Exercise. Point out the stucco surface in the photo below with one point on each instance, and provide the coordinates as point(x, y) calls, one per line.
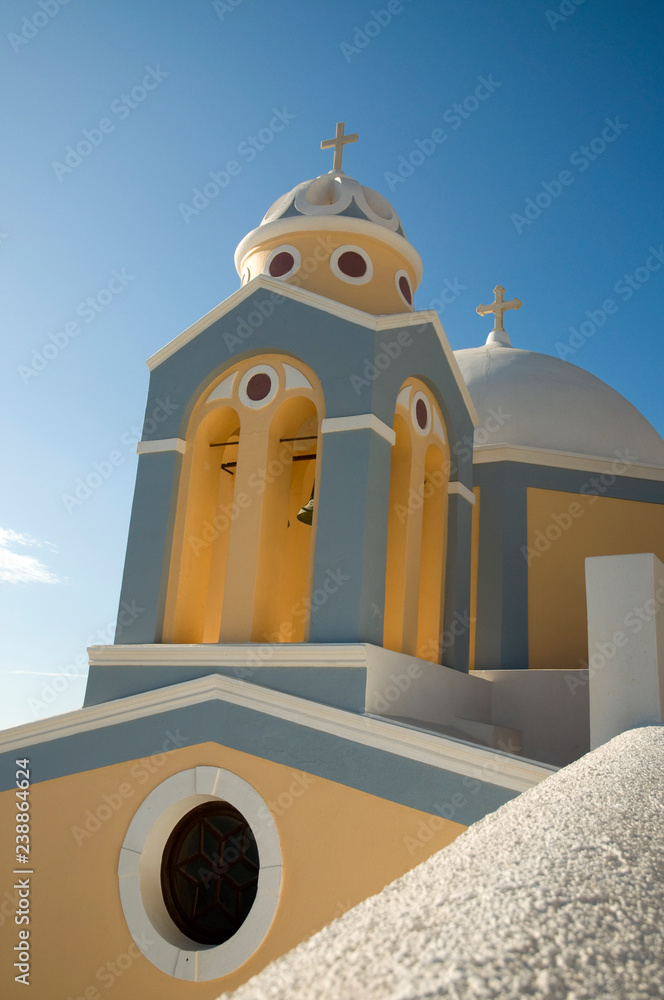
point(546, 403)
point(559, 895)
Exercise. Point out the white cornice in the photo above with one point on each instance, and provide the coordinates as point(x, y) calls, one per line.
point(463, 491)
point(329, 223)
point(359, 422)
point(436, 751)
point(565, 460)
point(162, 444)
point(212, 654)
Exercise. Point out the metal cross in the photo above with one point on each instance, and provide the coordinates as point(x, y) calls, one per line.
point(338, 144)
point(498, 307)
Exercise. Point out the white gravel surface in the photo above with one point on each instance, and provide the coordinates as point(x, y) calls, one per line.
point(559, 895)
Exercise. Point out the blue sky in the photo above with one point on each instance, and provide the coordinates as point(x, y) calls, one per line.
point(100, 264)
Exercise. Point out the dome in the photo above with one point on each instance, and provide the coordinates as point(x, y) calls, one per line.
point(547, 404)
point(332, 203)
point(335, 194)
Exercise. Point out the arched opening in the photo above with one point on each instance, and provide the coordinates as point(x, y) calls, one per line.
point(417, 525)
point(397, 536)
point(241, 561)
point(281, 610)
point(205, 516)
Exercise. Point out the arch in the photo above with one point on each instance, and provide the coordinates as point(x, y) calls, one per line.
point(239, 571)
point(417, 524)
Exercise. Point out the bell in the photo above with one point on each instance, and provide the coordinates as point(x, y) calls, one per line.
point(306, 513)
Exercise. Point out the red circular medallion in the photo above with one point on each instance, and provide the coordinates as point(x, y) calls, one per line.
point(258, 386)
point(421, 413)
point(352, 264)
point(404, 286)
point(281, 264)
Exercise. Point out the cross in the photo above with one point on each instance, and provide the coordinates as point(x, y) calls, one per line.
point(338, 143)
point(498, 307)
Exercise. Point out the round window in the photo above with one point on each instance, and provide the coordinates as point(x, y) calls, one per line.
point(421, 413)
point(404, 287)
point(209, 873)
point(283, 261)
point(352, 264)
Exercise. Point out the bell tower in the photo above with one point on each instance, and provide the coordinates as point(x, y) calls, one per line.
point(308, 485)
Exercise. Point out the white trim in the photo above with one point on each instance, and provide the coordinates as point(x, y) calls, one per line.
point(224, 390)
point(257, 404)
point(362, 279)
point(422, 431)
point(443, 752)
point(463, 491)
point(359, 422)
point(164, 444)
point(404, 396)
point(284, 248)
point(139, 874)
point(565, 460)
point(212, 654)
point(292, 224)
point(295, 379)
point(282, 289)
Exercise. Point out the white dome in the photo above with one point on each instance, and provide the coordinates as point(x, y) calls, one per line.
point(335, 193)
point(548, 404)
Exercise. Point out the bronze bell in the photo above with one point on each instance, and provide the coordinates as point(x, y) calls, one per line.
point(306, 513)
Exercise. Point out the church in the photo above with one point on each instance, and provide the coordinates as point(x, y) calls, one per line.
point(372, 592)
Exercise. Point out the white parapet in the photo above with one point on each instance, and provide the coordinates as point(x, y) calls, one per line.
point(625, 597)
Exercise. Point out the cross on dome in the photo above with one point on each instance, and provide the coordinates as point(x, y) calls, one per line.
point(338, 144)
point(498, 307)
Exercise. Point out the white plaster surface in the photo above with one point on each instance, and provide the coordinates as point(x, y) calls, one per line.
point(528, 399)
point(625, 596)
point(558, 895)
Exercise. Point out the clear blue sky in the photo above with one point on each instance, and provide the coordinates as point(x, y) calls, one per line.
point(217, 71)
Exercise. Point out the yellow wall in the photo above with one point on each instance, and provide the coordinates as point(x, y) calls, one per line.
point(378, 295)
point(338, 846)
point(564, 528)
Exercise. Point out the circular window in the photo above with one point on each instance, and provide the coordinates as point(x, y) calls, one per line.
point(209, 874)
point(403, 286)
point(421, 413)
point(200, 873)
point(283, 261)
point(351, 264)
point(258, 386)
